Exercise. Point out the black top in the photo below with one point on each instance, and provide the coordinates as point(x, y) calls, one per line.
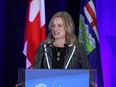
point(58, 59)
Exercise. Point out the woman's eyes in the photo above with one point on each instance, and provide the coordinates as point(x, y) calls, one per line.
point(53, 26)
point(59, 25)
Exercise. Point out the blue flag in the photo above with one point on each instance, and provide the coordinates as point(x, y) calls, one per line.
point(88, 36)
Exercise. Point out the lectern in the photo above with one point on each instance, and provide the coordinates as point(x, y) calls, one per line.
point(56, 78)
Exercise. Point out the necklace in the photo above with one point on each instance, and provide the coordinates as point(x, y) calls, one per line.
point(59, 54)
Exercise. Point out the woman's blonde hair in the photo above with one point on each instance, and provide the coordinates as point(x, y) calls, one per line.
point(68, 26)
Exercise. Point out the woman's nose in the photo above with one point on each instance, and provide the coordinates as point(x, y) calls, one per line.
point(55, 28)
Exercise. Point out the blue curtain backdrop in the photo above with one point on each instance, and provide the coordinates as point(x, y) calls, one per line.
point(106, 14)
point(13, 14)
point(12, 24)
point(2, 42)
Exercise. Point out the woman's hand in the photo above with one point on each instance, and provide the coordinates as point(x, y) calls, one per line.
point(20, 85)
point(93, 84)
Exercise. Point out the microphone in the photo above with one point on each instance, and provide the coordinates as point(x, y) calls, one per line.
point(47, 45)
point(66, 45)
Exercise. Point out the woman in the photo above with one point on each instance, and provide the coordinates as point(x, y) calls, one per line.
point(61, 50)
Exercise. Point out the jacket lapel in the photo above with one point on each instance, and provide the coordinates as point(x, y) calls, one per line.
point(69, 50)
point(48, 52)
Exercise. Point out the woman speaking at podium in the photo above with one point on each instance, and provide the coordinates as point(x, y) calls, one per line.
point(61, 50)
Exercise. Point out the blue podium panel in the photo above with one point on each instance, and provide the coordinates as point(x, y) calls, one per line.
point(56, 78)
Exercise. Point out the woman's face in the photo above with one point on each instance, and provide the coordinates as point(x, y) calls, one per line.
point(58, 30)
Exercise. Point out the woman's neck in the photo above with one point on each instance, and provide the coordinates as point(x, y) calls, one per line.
point(59, 42)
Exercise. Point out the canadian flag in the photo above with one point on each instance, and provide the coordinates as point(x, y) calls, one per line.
point(35, 30)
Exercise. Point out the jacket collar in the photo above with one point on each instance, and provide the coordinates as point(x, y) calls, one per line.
point(69, 51)
point(50, 43)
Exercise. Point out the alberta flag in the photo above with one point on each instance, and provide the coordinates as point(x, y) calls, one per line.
point(35, 30)
point(88, 36)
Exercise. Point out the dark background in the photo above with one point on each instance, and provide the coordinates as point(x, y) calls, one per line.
point(12, 26)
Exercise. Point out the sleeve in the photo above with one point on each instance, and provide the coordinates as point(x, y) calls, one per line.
point(84, 63)
point(38, 57)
